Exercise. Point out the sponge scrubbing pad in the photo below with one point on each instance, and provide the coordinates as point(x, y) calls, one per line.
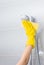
point(30, 29)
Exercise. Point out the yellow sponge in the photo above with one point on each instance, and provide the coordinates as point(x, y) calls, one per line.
point(35, 25)
point(30, 29)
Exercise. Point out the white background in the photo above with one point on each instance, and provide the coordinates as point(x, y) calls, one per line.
point(12, 36)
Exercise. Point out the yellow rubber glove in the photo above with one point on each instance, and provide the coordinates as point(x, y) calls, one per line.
point(30, 29)
point(31, 41)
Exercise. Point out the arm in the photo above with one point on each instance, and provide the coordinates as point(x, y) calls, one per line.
point(25, 57)
point(30, 29)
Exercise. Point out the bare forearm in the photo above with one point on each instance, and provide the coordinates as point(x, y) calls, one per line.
point(25, 57)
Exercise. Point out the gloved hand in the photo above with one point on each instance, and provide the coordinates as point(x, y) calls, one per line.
point(31, 30)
